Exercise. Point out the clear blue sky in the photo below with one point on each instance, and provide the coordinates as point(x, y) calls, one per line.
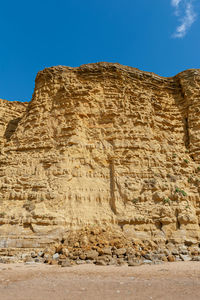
point(139, 33)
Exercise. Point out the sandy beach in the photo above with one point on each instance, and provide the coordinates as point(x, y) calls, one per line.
point(180, 280)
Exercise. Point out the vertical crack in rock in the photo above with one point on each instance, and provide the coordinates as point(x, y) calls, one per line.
point(187, 136)
point(177, 221)
point(112, 187)
point(29, 225)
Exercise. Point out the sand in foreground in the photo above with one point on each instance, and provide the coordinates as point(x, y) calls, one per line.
point(168, 281)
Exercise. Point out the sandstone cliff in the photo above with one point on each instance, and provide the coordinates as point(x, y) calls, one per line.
point(101, 144)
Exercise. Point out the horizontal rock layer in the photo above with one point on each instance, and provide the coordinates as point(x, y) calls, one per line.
point(101, 144)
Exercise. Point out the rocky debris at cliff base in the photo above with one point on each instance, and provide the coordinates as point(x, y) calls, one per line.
point(101, 246)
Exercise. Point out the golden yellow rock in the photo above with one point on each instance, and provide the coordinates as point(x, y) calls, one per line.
point(106, 145)
point(171, 258)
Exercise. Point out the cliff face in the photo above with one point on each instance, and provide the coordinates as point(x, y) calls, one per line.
point(101, 144)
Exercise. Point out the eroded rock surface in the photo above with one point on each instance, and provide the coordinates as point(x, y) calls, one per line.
point(103, 145)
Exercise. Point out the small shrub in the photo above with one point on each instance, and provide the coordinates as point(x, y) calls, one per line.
point(183, 193)
point(166, 200)
point(2, 214)
point(135, 200)
point(186, 161)
point(177, 190)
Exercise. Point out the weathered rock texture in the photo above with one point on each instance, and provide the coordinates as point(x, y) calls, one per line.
point(104, 145)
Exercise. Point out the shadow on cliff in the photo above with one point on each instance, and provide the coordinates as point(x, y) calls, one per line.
point(11, 127)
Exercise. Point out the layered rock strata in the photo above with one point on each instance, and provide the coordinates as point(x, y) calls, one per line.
point(104, 145)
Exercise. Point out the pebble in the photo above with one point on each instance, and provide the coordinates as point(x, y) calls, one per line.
point(147, 261)
point(66, 263)
point(55, 256)
point(185, 257)
point(196, 258)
